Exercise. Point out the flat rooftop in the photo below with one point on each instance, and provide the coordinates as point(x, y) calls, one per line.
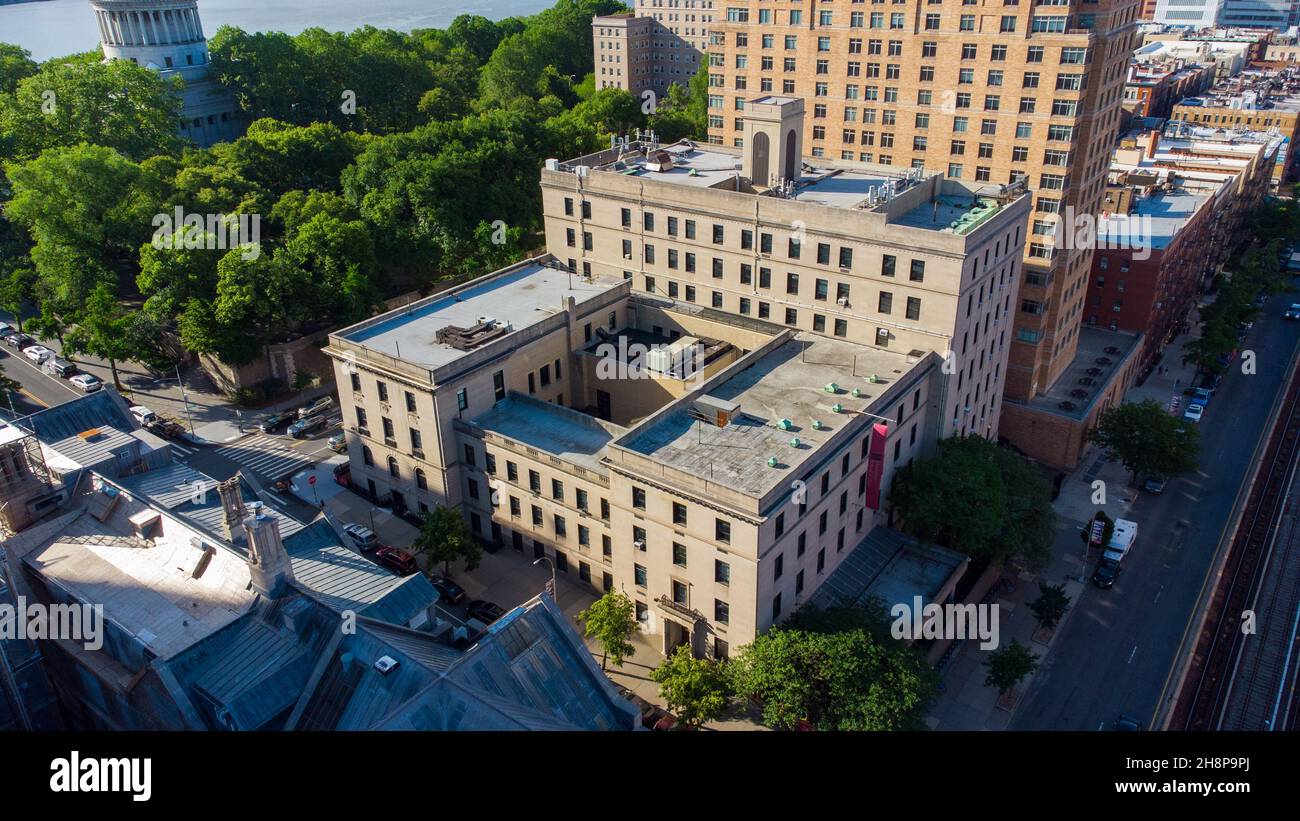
point(516, 298)
point(840, 188)
point(1100, 356)
point(146, 588)
point(1157, 218)
point(694, 165)
point(788, 382)
point(950, 214)
point(834, 185)
point(891, 567)
point(566, 434)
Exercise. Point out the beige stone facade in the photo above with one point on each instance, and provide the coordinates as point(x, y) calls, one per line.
point(811, 261)
point(986, 91)
point(661, 44)
point(865, 307)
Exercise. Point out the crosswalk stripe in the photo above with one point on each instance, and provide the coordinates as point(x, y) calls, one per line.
point(184, 450)
point(266, 456)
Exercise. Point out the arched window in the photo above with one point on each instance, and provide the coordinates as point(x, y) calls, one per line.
point(420, 481)
point(367, 456)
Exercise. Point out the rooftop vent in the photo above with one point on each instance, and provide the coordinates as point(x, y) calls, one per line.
point(467, 339)
point(386, 665)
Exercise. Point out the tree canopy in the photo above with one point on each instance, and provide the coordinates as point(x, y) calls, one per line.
point(1147, 439)
point(978, 498)
point(374, 163)
point(834, 669)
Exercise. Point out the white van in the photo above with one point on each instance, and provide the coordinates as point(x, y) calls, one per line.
point(1121, 540)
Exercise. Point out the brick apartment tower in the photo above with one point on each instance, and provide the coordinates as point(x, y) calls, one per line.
point(985, 89)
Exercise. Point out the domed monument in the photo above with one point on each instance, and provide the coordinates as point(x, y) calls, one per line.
point(167, 36)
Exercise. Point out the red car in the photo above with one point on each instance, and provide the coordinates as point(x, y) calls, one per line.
point(397, 560)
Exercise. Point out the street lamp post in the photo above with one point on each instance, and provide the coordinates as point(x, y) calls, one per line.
point(185, 397)
point(547, 559)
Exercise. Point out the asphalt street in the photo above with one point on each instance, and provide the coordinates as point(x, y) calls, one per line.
point(1115, 652)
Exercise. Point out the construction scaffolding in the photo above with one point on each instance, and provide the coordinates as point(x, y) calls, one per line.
point(24, 479)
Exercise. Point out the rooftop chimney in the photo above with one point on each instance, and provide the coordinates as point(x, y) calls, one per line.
point(232, 507)
point(268, 563)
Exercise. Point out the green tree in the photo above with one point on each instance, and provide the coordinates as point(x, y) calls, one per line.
point(1147, 439)
point(477, 34)
point(697, 691)
point(978, 498)
point(102, 330)
point(445, 538)
point(303, 379)
point(1008, 666)
point(115, 104)
point(15, 64)
point(89, 210)
point(1050, 605)
point(612, 620)
point(17, 287)
point(836, 669)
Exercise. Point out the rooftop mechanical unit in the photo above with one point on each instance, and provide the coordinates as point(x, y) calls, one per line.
point(467, 339)
point(715, 411)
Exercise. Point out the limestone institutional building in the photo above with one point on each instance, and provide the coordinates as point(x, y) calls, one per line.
point(700, 395)
point(167, 36)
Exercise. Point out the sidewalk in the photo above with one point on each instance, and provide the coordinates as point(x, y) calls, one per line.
point(964, 702)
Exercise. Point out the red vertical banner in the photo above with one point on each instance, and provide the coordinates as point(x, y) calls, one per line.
point(876, 464)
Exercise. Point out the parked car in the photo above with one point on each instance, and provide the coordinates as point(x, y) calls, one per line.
point(1293, 312)
point(449, 590)
point(19, 341)
point(338, 442)
point(274, 422)
point(1193, 413)
point(1210, 382)
point(143, 415)
point(38, 353)
point(363, 538)
point(316, 407)
point(7, 332)
point(1107, 573)
point(166, 428)
point(485, 611)
point(397, 560)
point(1155, 485)
point(61, 368)
point(343, 474)
point(87, 382)
point(305, 426)
point(1200, 396)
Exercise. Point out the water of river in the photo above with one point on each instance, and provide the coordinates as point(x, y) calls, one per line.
point(57, 27)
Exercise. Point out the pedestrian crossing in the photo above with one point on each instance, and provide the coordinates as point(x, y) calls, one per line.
point(268, 457)
point(184, 450)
